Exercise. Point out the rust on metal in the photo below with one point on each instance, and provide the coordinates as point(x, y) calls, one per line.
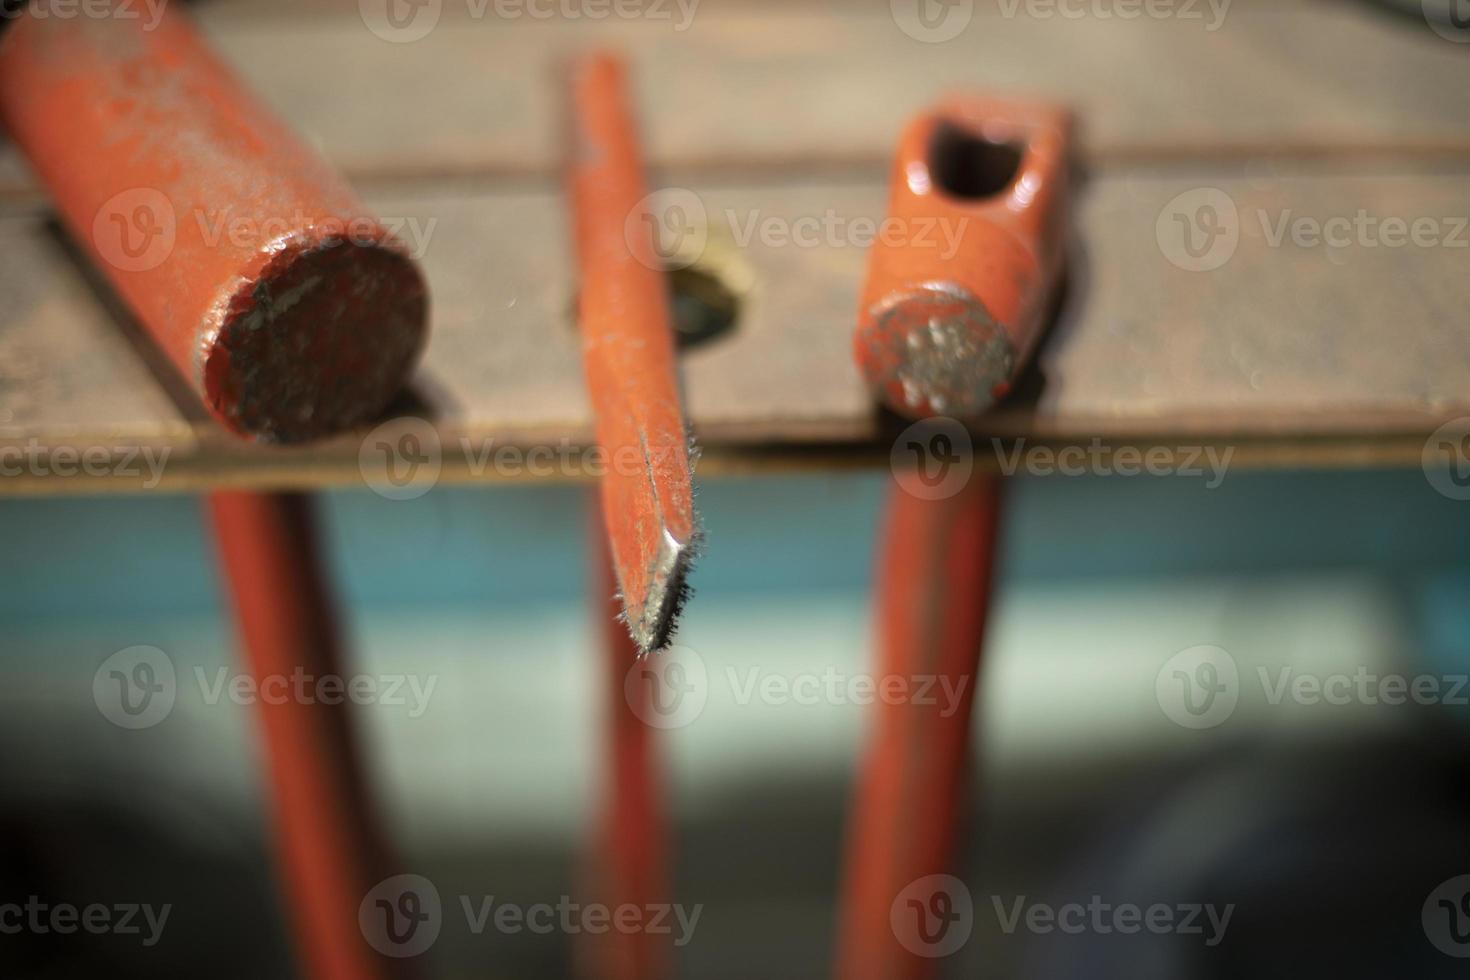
point(291, 310)
point(628, 358)
point(948, 319)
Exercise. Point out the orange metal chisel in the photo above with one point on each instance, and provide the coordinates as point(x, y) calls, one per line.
point(628, 358)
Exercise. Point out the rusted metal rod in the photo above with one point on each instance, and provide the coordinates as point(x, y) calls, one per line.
point(331, 852)
point(289, 309)
point(935, 570)
point(957, 293)
point(628, 357)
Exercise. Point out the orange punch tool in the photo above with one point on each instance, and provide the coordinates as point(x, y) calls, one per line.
point(958, 290)
point(960, 284)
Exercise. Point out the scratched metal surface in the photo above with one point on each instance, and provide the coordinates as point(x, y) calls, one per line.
point(1282, 345)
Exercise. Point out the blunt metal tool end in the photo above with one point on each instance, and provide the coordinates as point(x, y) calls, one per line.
point(954, 302)
point(945, 352)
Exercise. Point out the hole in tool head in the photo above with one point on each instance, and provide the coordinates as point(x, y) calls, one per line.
point(968, 166)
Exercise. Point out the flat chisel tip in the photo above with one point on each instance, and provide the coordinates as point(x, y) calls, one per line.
point(653, 620)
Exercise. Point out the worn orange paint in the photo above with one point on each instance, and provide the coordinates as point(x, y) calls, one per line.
point(628, 356)
point(935, 571)
point(291, 310)
point(331, 851)
point(960, 282)
point(630, 850)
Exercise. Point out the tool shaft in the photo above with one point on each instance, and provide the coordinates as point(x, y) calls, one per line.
point(331, 852)
point(935, 571)
point(628, 356)
point(289, 309)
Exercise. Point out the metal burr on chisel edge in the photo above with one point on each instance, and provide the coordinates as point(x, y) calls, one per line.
point(628, 357)
point(947, 334)
point(291, 311)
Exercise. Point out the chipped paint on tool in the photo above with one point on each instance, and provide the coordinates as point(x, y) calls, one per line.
point(223, 233)
point(944, 332)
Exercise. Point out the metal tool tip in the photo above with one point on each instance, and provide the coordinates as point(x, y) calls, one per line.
point(652, 624)
point(940, 347)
